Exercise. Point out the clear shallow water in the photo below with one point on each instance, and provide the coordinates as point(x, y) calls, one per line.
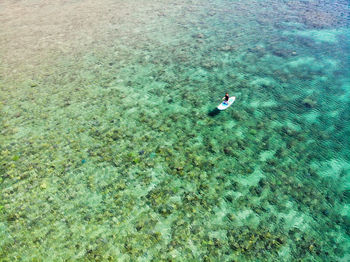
point(111, 147)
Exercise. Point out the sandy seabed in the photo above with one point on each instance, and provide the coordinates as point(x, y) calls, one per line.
point(111, 148)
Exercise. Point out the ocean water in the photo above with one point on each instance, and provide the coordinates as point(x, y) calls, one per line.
point(112, 148)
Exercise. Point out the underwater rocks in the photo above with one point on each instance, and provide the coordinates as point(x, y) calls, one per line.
point(227, 48)
point(254, 242)
point(199, 165)
point(284, 53)
point(255, 191)
point(319, 19)
point(200, 36)
point(258, 50)
point(281, 153)
point(313, 14)
point(210, 64)
point(230, 151)
point(309, 103)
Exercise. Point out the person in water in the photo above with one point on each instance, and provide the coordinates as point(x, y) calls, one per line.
point(225, 98)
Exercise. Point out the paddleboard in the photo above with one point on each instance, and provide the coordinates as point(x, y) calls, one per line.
point(230, 101)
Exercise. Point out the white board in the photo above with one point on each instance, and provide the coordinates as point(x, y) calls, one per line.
point(223, 105)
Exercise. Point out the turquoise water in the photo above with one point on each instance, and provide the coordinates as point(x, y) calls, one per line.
point(112, 150)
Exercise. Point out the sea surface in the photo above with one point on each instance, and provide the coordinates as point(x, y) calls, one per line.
point(112, 149)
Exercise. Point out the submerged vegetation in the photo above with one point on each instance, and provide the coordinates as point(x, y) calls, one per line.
point(113, 155)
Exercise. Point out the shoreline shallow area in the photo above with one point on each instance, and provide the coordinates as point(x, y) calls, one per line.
point(111, 148)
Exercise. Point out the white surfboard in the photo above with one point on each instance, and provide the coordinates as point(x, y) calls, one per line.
point(230, 101)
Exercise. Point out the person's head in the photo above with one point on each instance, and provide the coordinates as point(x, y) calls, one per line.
point(226, 94)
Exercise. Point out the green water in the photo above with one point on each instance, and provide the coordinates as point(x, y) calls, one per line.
point(112, 150)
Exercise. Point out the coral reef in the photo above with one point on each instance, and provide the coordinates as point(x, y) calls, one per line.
point(108, 152)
